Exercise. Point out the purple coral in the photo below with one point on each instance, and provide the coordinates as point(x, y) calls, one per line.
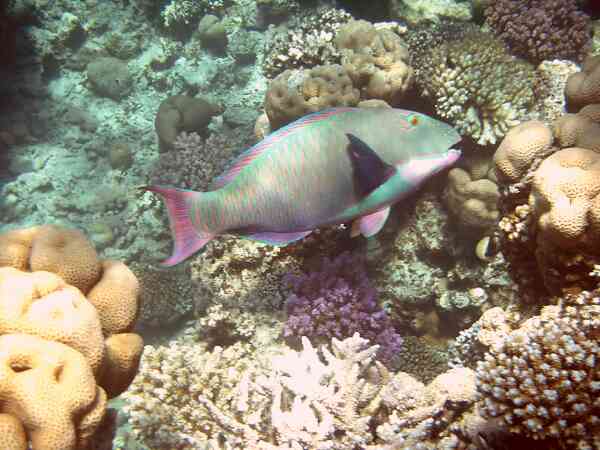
point(337, 301)
point(541, 29)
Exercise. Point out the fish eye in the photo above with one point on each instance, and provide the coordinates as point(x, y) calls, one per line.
point(414, 120)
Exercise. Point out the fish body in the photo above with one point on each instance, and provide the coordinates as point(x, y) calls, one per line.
point(329, 167)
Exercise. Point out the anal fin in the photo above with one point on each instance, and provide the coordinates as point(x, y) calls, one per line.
point(371, 224)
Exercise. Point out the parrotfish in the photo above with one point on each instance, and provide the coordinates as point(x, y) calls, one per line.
point(330, 167)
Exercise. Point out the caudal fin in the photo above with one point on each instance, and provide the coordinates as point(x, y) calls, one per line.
point(186, 239)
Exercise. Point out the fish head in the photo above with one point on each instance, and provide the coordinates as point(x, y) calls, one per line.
point(435, 137)
point(433, 150)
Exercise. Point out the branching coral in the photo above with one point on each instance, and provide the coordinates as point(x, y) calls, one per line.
point(543, 380)
point(541, 29)
point(336, 398)
point(338, 301)
point(309, 42)
point(476, 86)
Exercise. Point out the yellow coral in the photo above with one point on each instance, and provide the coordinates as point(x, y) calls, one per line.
point(55, 249)
point(123, 353)
point(473, 202)
point(12, 432)
point(50, 388)
point(42, 304)
point(564, 197)
point(583, 88)
point(115, 297)
point(521, 145)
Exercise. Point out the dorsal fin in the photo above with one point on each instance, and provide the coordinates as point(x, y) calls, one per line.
point(370, 171)
point(267, 143)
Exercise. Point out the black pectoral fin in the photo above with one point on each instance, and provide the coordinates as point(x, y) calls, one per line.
point(370, 171)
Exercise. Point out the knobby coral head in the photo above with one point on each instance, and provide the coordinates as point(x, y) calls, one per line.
point(541, 29)
point(338, 300)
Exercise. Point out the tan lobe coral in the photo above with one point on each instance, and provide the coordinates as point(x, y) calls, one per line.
point(123, 353)
point(115, 297)
point(521, 145)
point(15, 247)
point(577, 130)
point(12, 433)
point(49, 387)
point(583, 88)
point(42, 304)
point(67, 253)
point(472, 202)
point(564, 197)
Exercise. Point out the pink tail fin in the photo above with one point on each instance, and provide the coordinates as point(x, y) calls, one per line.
point(187, 240)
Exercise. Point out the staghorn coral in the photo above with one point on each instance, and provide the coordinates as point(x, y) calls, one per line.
point(194, 162)
point(338, 301)
point(476, 86)
point(336, 397)
point(543, 380)
point(541, 29)
point(162, 400)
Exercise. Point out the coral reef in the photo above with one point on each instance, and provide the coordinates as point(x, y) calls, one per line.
point(166, 296)
point(542, 380)
point(474, 84)
point(373, 66)
point(308, 43)
point(472, 200)
point(548, 199)
point(338, 301)
point(64, 322)
point(337, 397)
point(541, 29)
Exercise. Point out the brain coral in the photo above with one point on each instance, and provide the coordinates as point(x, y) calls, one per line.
point(66, 252)
point(53, 348)
point(51, 388)
point(583, 88)
point(42, 304)
point(565, 197)
point(521, 145)
point(476, 86)
point(471, 200)
point(296, 93)
point(541, 29)
point(543, 380)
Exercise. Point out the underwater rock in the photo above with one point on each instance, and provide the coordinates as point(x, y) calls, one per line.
point(109, 77)
point(212, 33)
point(182, 113)
point(415, 11)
